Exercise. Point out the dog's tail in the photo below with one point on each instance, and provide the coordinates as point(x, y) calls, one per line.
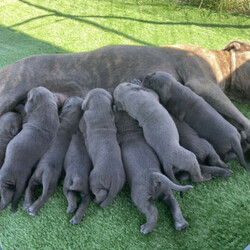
point(238, 151)
point(159, 177)
point(113, 191)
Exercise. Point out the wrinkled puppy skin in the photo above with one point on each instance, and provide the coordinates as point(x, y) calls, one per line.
point(209, 160)
point(159, 129)
point(77, 166)
point(98, 126)
point(10, 126)
point(185, 105)
point(27, 147)
point(144, 175)
point(50, 166)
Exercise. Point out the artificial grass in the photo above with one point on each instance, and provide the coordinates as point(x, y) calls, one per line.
point(218, 211)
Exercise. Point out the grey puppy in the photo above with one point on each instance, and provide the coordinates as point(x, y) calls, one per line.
point(144, 175)
point(10, 126)
point(191, 108)
point(108, 176)
point(77, 166)
point(25, 149)
point(49, 168)
point(159, 129)
point(209, 160)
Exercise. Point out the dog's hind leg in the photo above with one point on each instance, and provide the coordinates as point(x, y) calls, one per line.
point(6, 197)
point(179, 222)
point(81, 209)
point(72, 201)
point(215, 171)
point(49, 187)
point(142, 202)
point(70, 195)
point(29, 193)
point(238, 151)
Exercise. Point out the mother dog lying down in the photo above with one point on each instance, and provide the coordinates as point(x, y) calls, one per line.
point(213, 74)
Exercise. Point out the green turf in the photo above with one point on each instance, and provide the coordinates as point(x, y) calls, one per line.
point(218, 211)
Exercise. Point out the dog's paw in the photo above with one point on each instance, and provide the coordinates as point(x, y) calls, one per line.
point(145, 229)
point(74, 221)
point(181, 225)
point(31, 212)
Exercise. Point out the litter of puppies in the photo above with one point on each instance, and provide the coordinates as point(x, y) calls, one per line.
point(146, 133)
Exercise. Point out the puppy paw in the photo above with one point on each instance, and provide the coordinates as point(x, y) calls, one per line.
point(31, 212)
point(145, 229)
point(181, 225)
point(74, 221)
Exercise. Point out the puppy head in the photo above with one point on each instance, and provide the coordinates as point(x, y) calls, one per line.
point(37, 97)
point(126, 92)
point(161, 83)
point(96, 97)
point(11, 123)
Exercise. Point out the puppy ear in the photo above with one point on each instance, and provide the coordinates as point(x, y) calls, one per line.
point(84, 105)
point(118, 106)
point(29, 106)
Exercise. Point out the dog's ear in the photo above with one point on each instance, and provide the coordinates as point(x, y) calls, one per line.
point(85, 104)
point(118, 106)
point(30, 104)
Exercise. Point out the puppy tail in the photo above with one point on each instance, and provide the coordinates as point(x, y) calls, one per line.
point(238, 151)
point(160, 178)
point(113, 191)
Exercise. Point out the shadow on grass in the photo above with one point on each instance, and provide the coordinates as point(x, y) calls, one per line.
point(81, 19)
point(15, 45)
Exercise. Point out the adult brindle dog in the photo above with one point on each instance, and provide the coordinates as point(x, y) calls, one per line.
point(213, 74)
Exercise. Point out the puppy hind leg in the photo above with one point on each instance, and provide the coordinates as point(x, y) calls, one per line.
point(6, 197)
point(70, 195)
point(238, 150)
point(171, 202)
point(72, 201)
point(17, 196)
point(215, 171)
point(81, 209)
point(142, 202)
point(49, 187)
point(214, 160)
point(29, 193)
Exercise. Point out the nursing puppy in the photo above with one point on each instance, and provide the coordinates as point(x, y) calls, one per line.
point(159, 129)
point(25, 149)
point(10, 126)
point(49, 168)
point(77, 166)
point(210, 162)
point(144, 175)
point(107, 177)
point(197, 113)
